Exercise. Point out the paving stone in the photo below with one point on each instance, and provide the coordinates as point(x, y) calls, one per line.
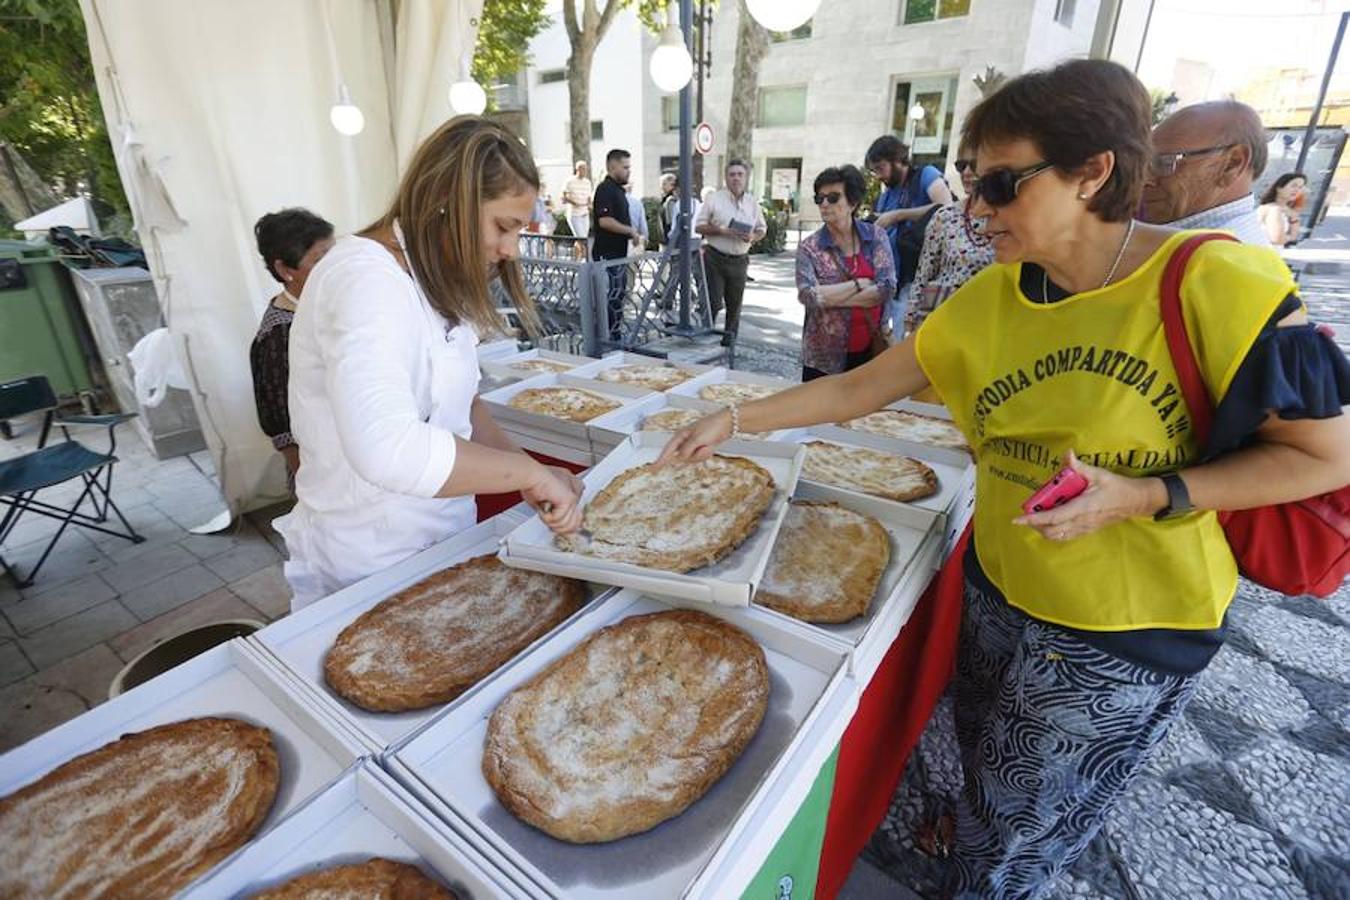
point(243, 560)
point(1302, 643)
point(1325, 877)
point(1307, 793)
point(73, 557)
point(265, 590)
point(213, 607)
point(1251, 690)
point(206, 546)
point(1311, 608)
point(54, 695)
point(149, 567)
point(40, 610)
point(6, 630)
point(171, 591)
point(88, 673)
point(1339, 603)
point(64, 639)
point(1184, 745)
point(13, 664)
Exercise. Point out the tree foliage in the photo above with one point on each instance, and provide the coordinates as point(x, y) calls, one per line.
point(505, 30)
point(49, 104)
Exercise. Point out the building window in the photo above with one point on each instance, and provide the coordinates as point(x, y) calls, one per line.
point(670, 113)
point(669, 164)
point(800, 33)
point(1064, 12)
point(912, 12)
point(597, 130)
point(781, 107)
point(930, 133)
point(552, 76)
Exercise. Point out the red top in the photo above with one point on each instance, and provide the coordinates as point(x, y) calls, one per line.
point(859, 332)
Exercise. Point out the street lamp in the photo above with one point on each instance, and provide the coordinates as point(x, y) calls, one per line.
point(917, 112)
point(671, 66)
point(345, 115)
point(467, 96)
point(782, 15)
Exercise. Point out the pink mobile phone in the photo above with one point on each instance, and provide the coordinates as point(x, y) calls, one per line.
point(1059, 490)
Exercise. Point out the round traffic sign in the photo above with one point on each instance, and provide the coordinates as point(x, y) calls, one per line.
point(703, 138)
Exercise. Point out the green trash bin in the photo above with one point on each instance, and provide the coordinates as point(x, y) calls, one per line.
point(42, 328)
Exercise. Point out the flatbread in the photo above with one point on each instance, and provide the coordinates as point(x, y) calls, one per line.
point(628, 729)
point(908, 426)
point(569, 403)
point(542, 366)
point(431, 642)
point(826, 564)
point(729, 392)
point(142, 816)
point(674, 419)
point(656, 376)
point(374, 879)
point(867, 471)
point(677, 517)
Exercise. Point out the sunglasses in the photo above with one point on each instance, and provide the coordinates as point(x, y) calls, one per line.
point(831, 198)
point(962, 164)
point(999, 187)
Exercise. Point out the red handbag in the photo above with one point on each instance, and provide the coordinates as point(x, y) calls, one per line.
point(1301, 547)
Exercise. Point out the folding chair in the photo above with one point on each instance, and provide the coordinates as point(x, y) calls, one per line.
point(22, 477)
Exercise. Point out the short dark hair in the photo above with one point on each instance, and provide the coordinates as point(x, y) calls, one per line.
point(1072, 112)
point(736, 161)
point(850, 176)
point(287, 236)
point(887, 148)
point(615, 155)
point(1269, 195)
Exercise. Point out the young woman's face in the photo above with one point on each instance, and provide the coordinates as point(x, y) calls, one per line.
point(1290, 191)
point(500, 224)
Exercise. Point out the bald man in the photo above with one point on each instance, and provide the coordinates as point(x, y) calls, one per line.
point(1206, 157)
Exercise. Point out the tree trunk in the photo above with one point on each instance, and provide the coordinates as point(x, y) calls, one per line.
point(584, 35)
point(752, 44)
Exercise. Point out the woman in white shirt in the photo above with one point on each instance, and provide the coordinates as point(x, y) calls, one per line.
point(384, 373)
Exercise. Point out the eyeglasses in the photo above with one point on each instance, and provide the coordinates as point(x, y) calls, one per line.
point(1164, 164)
point(999, 187)
point(962, 164)
point(831, 198)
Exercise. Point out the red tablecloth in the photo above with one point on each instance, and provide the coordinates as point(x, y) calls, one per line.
point(891, 715)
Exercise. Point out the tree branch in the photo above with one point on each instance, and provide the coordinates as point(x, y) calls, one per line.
point(570, 21)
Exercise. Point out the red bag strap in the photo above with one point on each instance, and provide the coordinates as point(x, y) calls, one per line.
point(1192, 385)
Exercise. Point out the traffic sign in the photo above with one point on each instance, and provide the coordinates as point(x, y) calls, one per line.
point(703, 138)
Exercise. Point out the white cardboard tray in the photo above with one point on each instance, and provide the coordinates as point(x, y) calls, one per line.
point(549, 427)
point(613, 428)
point(498, 349)
point(502, 365)
point(230, 681)
point(569, 449)
point(364, 813)
point(730, 582)
point(720, 374)
point(684, 856)
point(617, 358)
point(916, 541)
point(298, 643)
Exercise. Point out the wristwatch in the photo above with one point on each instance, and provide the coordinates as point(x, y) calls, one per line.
point(1178, 498)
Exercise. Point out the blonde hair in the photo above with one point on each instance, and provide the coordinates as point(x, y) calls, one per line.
point(462, 165)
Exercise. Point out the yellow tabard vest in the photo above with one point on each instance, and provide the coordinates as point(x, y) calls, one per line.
point(1027, 382)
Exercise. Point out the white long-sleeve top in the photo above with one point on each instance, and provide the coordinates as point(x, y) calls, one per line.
point(380, 386)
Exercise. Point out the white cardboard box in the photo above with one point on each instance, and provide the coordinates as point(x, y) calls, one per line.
point(613, 428)
point(687, 856)
point(731, 581)
point(720, 374)
point(364, 813)
point(617, 358)
point(299, 642)
point(563, 431)
point(502, 365)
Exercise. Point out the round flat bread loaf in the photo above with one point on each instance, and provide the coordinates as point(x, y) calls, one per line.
point(541, 366)
point(728, 392)
point(908, 426)
point(675, 419)
point(676, 517)
point(140, 817)
point(656, 376)
point(628, 729)
point(569, 403)
point(431, 642)
point(826, 564)
point(886, 475)
point(374, 879)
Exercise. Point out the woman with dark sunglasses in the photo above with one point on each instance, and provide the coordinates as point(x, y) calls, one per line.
point(1085, 626)
point(954, 250)
point(844, 274)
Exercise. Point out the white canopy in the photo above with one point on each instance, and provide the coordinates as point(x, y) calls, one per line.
point(218, 113)
point(76, 214)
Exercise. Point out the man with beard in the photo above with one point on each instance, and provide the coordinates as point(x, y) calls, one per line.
point(614, 232)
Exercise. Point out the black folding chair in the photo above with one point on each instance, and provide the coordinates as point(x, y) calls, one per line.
point(22, 477)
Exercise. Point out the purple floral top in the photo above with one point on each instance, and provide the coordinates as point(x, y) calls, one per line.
point(819, 262)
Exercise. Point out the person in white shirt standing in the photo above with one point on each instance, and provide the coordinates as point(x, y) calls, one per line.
point(730, 220)
point(1205, 158)
point(577, 195)
point(384, 374)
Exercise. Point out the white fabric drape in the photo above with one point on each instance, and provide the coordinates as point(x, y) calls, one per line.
point(218, 113)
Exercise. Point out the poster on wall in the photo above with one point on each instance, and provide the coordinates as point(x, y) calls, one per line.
point(783, 182)
point(927, 116)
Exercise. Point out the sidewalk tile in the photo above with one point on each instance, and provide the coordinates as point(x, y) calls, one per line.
point(243, 560)
point(266, 590)
point(171, 591)
point(37, 611)
point(213, 607)
point(13, 664)
point(150, 566)
point(64, 639)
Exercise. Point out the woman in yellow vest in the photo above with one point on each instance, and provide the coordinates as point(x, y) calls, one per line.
point(1085, 627)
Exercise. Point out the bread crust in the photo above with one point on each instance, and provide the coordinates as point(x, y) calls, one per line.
point(909, 426)
point(826, 564)
point(375, 879)
point(729, 392)
point(431, 642)
point(655, 376)
point(674, 419)
point(542, 366)
point(572, 404)
point(675, 518)
point(142, 816)
point(628, 729)
point(886, 475)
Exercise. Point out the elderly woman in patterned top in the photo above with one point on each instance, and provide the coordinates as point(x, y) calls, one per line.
point(845, 274)
point(290, 243)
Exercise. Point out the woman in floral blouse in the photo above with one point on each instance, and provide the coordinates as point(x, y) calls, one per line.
point(953, 251)
point(845, 273)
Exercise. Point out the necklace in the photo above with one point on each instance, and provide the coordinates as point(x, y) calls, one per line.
point(1111, 273)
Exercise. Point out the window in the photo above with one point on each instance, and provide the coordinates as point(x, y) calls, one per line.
point(800, 33)
point(552, 76)
point(669, 164)
point(916, 11)
point(1064, 10)
point(781, 107)
point(597, 130)
point(670, 113)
